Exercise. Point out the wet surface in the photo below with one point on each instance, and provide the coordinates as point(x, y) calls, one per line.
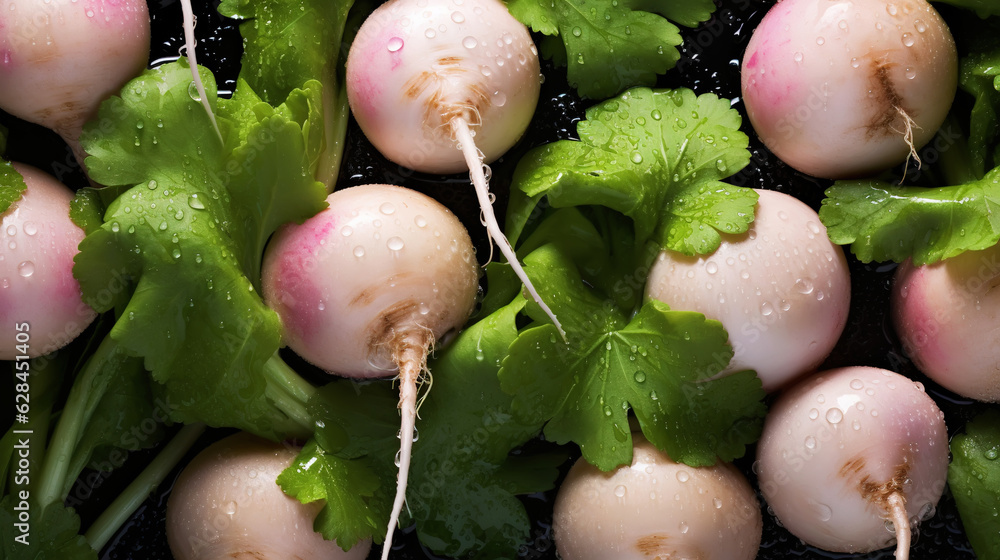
point(710, 63)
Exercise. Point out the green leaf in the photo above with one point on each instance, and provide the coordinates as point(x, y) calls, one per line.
point(657, 157)
point(53, 535)
point(688, 13)
point(659, 364)
point(974, 478)
point(287, 42)
point(884, 222)
point(347, 487)
point(610, 46)
point(979, 76)
point(462, 480)
point(12, 186)
point(188, 235)
point(127, 417)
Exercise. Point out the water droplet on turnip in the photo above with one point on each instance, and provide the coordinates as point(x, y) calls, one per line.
point(26, 269)
point(394, 44)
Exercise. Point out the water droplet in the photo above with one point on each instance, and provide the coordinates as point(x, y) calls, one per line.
point(577, 32)
point(820, 40)
point(804, 286)
point(834, 415)
point(766, 309)
point(151, 185)
point(420, 221)
point(683, 476)
point(920, 26)
point(195, 203)
point(395, 44)
point(857, 384)
point(842, 24)
point(430, 33)
point(813, 414)
point(640, 377)
point(910, 73)
point(823, 511)
point(636, 157)
point(359, 251)
point(855, 62)
point(620, 491)
point(470, 42)
point(230, 508)
point(908, 39)
point(683, 528)
point(394, 243)
point(717, 503)
point(176, 253)
point(797, 57)
point(387, 208)
point(810, 442)
point(892, 9)
point(26, 269)
point(458, 17)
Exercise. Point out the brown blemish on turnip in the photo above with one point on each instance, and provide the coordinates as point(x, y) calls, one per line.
point(887, 103)
point(441, 104)
point(658, 546)
point(371, 293)
point(876, 492)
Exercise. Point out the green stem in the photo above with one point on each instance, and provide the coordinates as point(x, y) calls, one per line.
point(46, 376)
point(277, 371)
point(86, 392)
point(132, 497)
point(290, 393)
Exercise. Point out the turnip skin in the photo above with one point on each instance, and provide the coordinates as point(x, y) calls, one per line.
point(656, 508)
point(408, 75)
point(841, 447)
point(382, 266)
point(226, 504)
point(824, 82)
point(60, 58)
point(946, 315)
point(782, 290)
point(38, 241)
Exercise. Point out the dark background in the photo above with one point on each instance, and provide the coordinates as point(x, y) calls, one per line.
point(710, 62)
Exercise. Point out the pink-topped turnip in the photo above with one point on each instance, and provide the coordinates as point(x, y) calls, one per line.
point(59, 59)
point(656, 508)
point(853, 459)
point(38, 241)
point(366, 288)
point(782, 290)
point(226, 504)
point(946, 316)
point(847, 88)
point(442, 87)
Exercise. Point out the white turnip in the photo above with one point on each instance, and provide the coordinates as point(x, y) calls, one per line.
point(851, 453)
point(946, 316)
point(425, 77)
point(847, 88)
point(60, 58)
point(38, 241)
point(366, 287)
point(782, 290)
point(226, 504)
point(656, 508)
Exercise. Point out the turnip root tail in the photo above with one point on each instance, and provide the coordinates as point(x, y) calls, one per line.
point(189, 46)
point(411, 362)
point(897, 510)
point(464, 136)
point(908, 126)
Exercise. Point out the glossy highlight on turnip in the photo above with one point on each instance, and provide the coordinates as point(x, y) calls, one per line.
point(226, 504)
point(782, 290)
point(441, 87)
point(38, 241)
point(847, 88)
point(656, 508)
point(368, 286)
point(853, 459)
point(59, 59)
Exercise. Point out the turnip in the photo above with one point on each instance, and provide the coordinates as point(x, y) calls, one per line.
point(366, 287)
point(226, 504)
point(656, 508)
point(38, 241)
point(782, 289)
point(60, 58)
point(425, 77)
point(845, 88)
point(946, 316)
point(854, 458)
